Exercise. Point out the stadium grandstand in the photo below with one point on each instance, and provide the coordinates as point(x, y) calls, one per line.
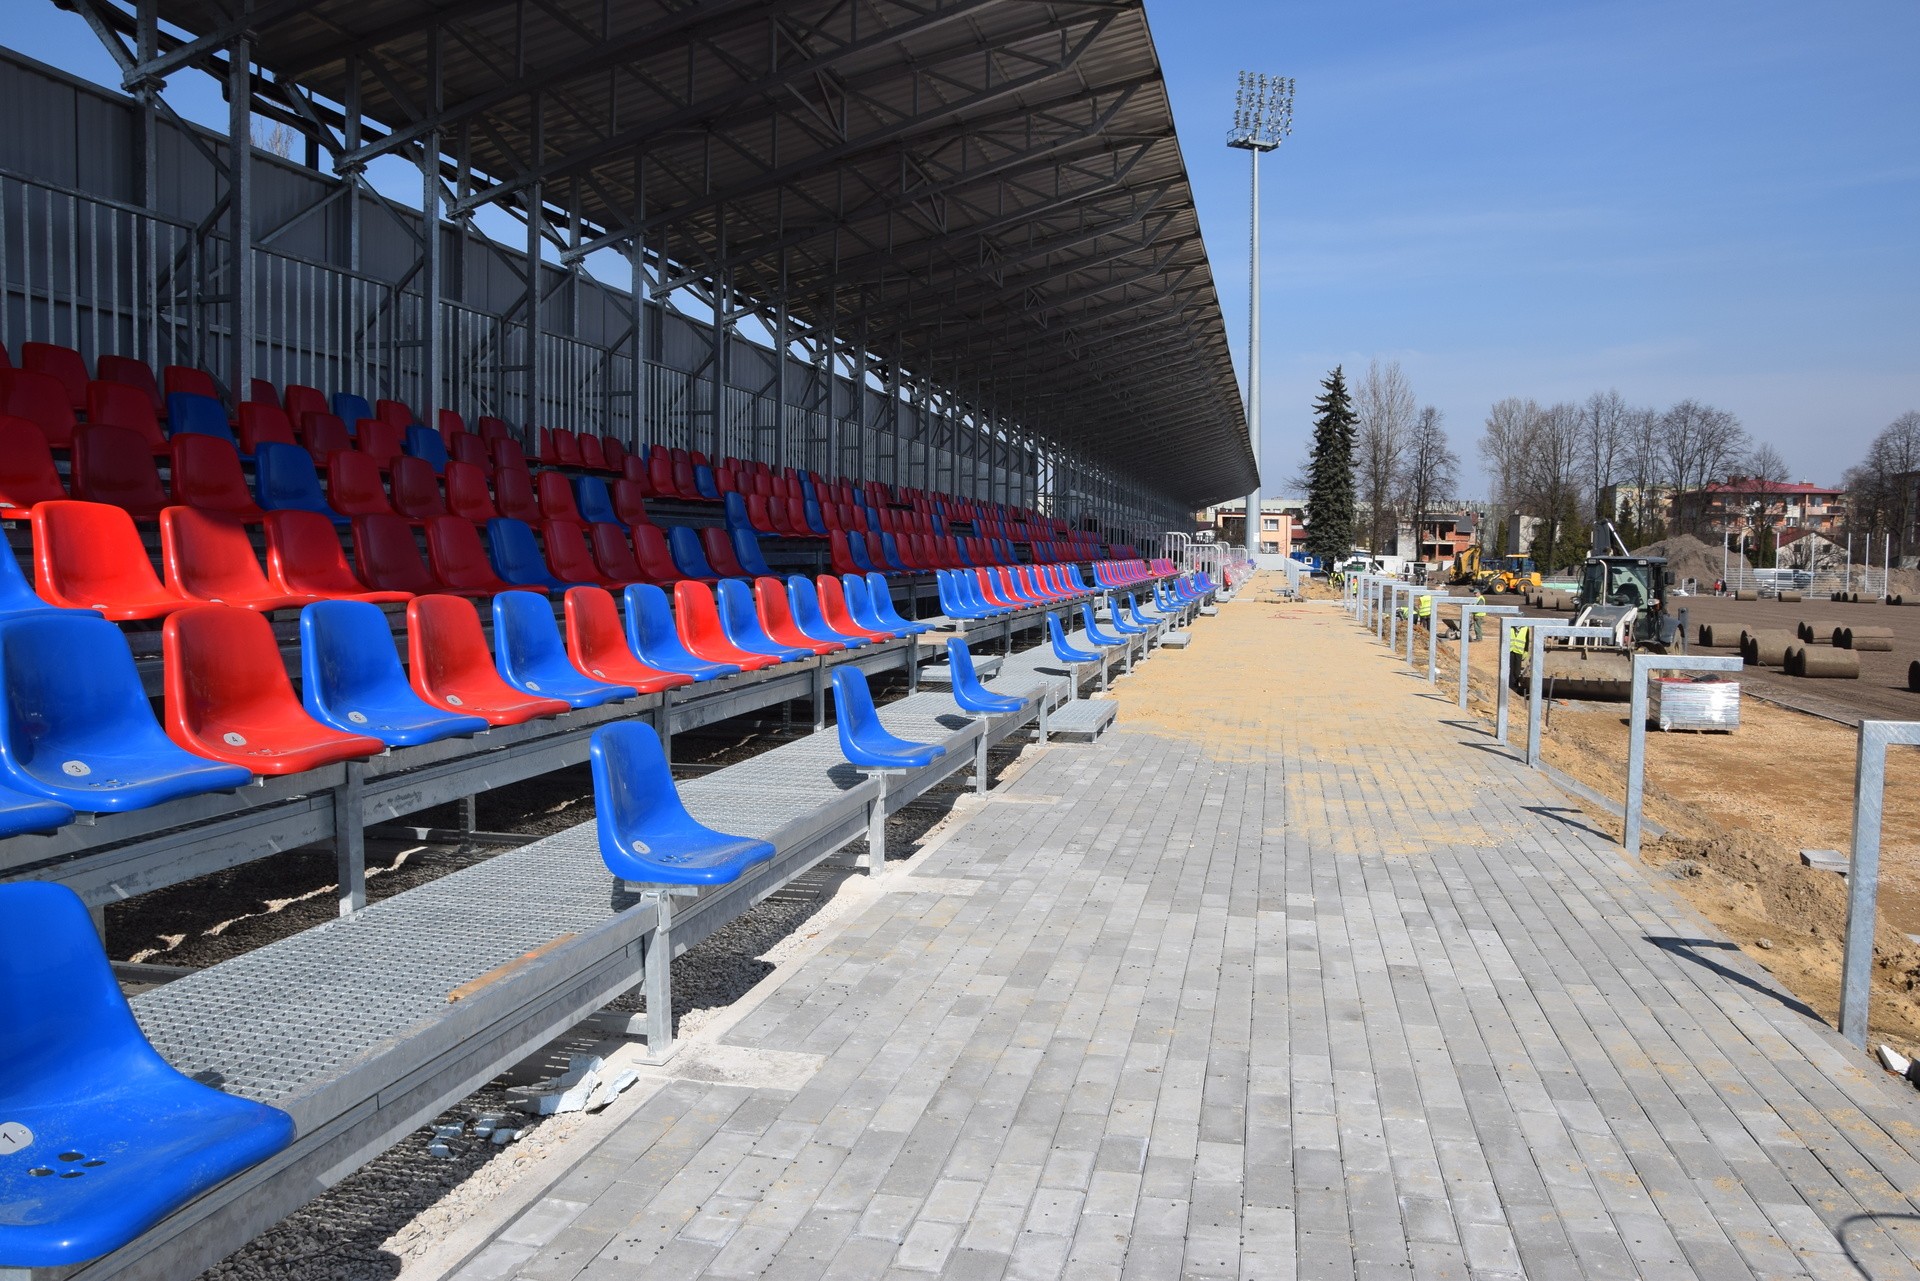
point(329, 509)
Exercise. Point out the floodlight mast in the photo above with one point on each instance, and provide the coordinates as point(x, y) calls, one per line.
point(1262, 119)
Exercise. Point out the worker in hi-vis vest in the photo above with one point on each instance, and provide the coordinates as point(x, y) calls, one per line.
point(1517, 643)
point(1478, 599)
point(1423, 610)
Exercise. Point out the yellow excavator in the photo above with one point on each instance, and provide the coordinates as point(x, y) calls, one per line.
point(1466, 570)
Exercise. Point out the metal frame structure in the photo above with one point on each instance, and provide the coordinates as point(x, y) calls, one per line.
point(1643, 665)
point(1262, 119)
point(977, 205)
point(1536, 676)
point(1863, 868)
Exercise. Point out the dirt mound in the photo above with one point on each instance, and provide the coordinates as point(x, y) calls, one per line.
point(1688, 557)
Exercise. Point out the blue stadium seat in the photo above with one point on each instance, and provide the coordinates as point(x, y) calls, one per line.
point(968, 692)
point(118, 1139)
point(16, 594)
point(804, 599)
point(427, 444)
point(284, 480)
point(200, 416)
point(704, 482)
point(1104, 640)
point(1140, 621)
point(350, 409)
point(890, 553)
point(688, 556)
point(969, 582)
point(815, 522)
point(530, 656)
point(516, 556)
point(953, 602)
point(740, 623)
point(1121, 624)
point(860, 604)
point(736, 509)
point(864, 741)
point(857, 548)
point(646, 834)
point(351, 679)
point(885, 610)
point(77, 726)
point(654, 639)
point(746, 549)
point(20, 813)
point(594, 503)
point(1062, 650)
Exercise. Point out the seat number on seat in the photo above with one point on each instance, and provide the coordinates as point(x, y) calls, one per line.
point(358, 718)
point(13, 1137)
point(75, 769)
point(232, 739)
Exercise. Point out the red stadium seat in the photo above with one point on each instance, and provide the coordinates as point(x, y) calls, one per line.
point(776, 616)
point(208, 557)
point(634, 468)
point(630, 502)
point(118, 405)
point(62, 363)
point(833, 607)
point(459, 559)
point(41, 400)
point(395, 414)
point(451, 423)
point(416, 490)
point(513, 494)
point(263, 393)
point(324, 435)
point(131, 372)
point(684, 482)
point(112, 465)
point(698, 620)
point(654, 556)
point(192, 381)
point(206, 474)
point(568, 557)
point(470, 449)
point(262, 423)
point(556, 500)
point(27, 473)
point(380, 441)
point(89, 556)
point(300, 400)
point(353, 485)
point(613, 553)
point(491, 428)
point(592, 454)
point(388, 558)
point(304, 559)
point(597, 644)
point(229, 699)
point(660, 476)
point(506, 454)
point(450, 666)
point(566, 448)
point(720, 553)
point(467, 495)
point(839, 556)
point(614, 452)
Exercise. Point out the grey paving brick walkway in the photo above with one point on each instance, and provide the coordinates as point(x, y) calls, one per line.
point(1326, 992)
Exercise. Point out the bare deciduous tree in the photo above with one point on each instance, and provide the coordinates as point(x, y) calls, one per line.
point(1603, 427)
point(1384, 409)
point(1881, 489)
point(1765, 479)
point(1431, 470)
point(1699, 443)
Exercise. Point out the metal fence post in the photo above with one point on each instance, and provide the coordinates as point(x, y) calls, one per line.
point(1637, 727)
point(1863, 869)
point(1535, 682)
point(1469, 609)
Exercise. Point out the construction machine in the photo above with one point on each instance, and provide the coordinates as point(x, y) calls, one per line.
point(1622, 592)
point(1513, 575)
point(1467, 570)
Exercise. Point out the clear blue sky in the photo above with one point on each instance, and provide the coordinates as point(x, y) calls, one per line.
point(1717, 198)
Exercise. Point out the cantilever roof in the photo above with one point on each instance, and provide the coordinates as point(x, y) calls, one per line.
point(991, 189)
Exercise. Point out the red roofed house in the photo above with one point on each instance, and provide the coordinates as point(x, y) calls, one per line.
point(1741, 504)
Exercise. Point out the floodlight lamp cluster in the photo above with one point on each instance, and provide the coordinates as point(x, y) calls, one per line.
point(1262, 111)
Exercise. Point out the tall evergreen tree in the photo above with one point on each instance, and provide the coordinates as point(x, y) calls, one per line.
point(1330, 505)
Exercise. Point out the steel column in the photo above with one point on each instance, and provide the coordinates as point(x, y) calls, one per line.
point(1863, 868)
point(240, 214)
point(1637, 727)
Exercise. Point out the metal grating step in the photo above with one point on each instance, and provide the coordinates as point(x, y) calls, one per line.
point(1088, 718)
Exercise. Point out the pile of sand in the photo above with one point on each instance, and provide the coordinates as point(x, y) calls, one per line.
point(1688, 557)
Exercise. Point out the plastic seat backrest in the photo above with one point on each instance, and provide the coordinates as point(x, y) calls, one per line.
point(629, 502)
point(450, 666)
point(348, 661)
point(530, 655)
point(968, 692)
point(263, 392)
point(660, 476)
point(112, 465)
point(685, 482)
point(304, 557)
point(598, 645)
point(260, 424)
point(613, 553)
point(388, 558)
point(467, 495)
point(459, 559)
point(492, 428)
point(775, 608)
point(646, 835)
point(472, 450)
point(27, 473)
point(513, 494)
point(803, 599)
point(208, 556)
point(567, 553)
point(614, 453)
point(864, 741)
point(859, 604)
point(516, 555)
point(591, 501)
point(556, 498)
point(382, 442)
point(857, 547)
point(592, 453)
point(751, 512)
point(353, 485)
point(190, 379)
point(349, 408)
point(426, 444)
point(130, 371)
point(688, 555)
point(324, 435)
point(300, 400)
point(702, 632)
point(885, 610)
point(416, 490)
point(747, 554)
point(89, 555)
point(395, 412)
point(206, 474)
point(61, 363)
point(719, 549)
point(40, 399)
point(450, 423)
point(199, 415)
point(566, 447)
point(507, 454)
point(655, 557)
point(740, 620)
point(654, 637)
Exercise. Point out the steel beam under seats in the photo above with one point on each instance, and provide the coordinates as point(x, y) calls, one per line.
point(470, 449)
point(776, 618)
point(864, 741)
point(300, 400)
point(740, 621)
point(323, 436)
point(833, 608)
point(353, 485)
point(304, 559)
point(79, 728)
point(513, 494)
point(1064, 651)
point(593, 454)
point(208, 557)
point(467, 495)
point(396, 413)
point(63, 364)
point(229, 699)
point(747, 555)
point(555, 493)
point(629, 501)
point(572, 561)
point(261, 424)
point(416, 490)
point(654, 637)
point(860, 607)
point(458, 559)
point(284, 480)
point(719, 553)
point(597, 644)
point(111, 465)
point(688, 556)
point(698, 618)
point(530, 656)
point(426, 444)
point(42, 401)
point(887, 612)
point(655, 557)
point(198, 415)
point(27, 473)
point(206, 476)
point(350, 678)
point(116, 1140)
point(591, 502)
point(450, 666)
point(646, 835)
point(89, 556)
point(131, 372)
point(516, 557)
point(389, 559)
